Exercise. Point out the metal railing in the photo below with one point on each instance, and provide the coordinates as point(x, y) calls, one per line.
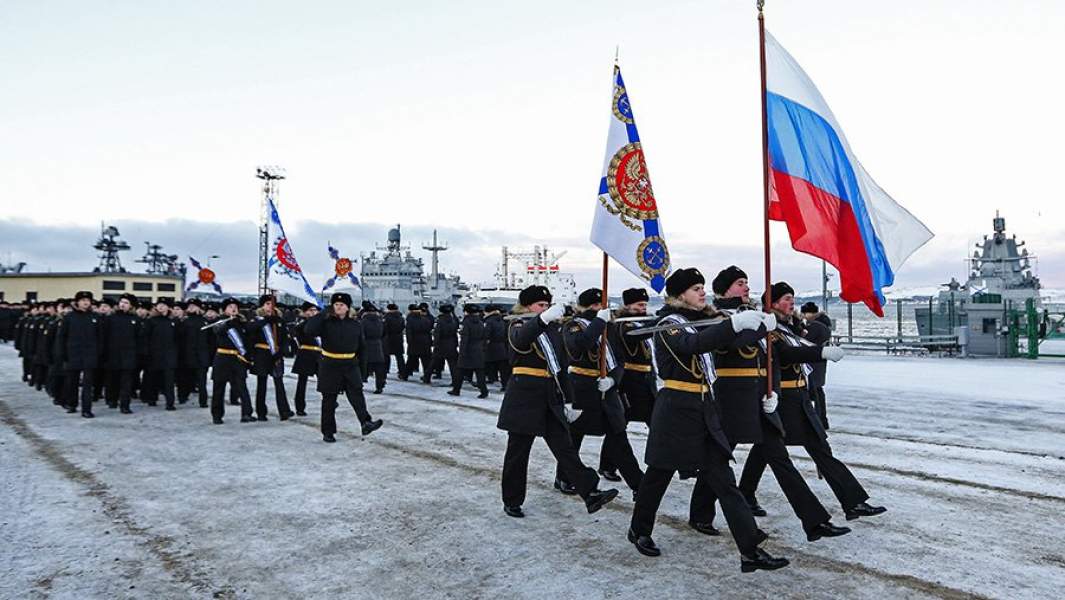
point(900, 344)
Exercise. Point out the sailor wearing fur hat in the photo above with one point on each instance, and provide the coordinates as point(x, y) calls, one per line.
point(445, 345)
point(471, 351)
point(749, 416)
point(231, 362)
point(120, 332)
point(342, 343)
point(685, 431)
point(79, 348)
point(394, 329)
point(195, 354)
point(533, 405)
point(801, 421)
point(374, 359)
point(638, 383)
point(268, 336)
point(419, 341)
point(596, 398)
point(160, 343)
point(496, 365)
point(308, 354)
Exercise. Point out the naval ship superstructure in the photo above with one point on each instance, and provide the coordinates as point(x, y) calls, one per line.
point(1000, 280)
point(391, 274)
point(537, 267)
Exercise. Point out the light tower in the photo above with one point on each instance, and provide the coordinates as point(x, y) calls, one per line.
point(270, 175)
point(435, 248)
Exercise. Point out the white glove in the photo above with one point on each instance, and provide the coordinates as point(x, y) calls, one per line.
point(572, 414)
point(769, 403)
point(553, 313)
point(770, 321)
point(604, 384)
point(832, 353)
point(748, 319)
point(604, 314)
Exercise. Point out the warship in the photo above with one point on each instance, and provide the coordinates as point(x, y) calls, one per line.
point(1000, 284)
point(391, 274)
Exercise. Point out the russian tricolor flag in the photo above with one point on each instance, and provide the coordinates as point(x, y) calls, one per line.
point(833, 208)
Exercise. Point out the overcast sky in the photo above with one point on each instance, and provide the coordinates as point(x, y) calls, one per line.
point(488, 120)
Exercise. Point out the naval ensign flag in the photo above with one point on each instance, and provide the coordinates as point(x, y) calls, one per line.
point(626, 225)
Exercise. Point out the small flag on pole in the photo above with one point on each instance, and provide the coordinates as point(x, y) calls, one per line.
point(204, 276)
point(283, 270)
point(833, 208)
point(343, 268)
point(626, 225)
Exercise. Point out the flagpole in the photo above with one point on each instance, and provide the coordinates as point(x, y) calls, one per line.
point(606, 303)
point(765, 193)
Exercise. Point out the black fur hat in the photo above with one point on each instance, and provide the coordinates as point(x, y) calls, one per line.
point(634, 295)
point(82, 294)
point(726, 278)
point(590, 296)
point(809, 307)
point(779, 290)
point(682, 279)
point(533, 294)
point(340, 297)
point(267, 298)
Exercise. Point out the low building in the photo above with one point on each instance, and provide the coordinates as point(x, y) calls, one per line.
point(34, 287)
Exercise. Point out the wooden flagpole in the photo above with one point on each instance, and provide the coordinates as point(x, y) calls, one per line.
point(767, 300)
point(606, 302)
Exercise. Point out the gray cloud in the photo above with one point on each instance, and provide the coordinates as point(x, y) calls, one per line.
point(472, 254)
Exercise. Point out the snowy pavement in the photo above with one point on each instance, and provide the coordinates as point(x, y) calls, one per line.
point(969, 457)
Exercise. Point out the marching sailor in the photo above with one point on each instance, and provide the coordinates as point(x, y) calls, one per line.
point(307, 356)
point(231, 362)
point(78, 348)
point(533, 403)
point(269, 336)
point(596, 398)
point(342, 341)
point(802, 424)
point(685, 428)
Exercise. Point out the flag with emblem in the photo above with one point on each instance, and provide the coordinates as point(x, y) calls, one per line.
point(343, 269)
point(205, 277)
point(283, 270)
point(626, 225)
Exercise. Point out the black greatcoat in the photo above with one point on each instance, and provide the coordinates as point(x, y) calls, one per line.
point(495, 333)
point(373, 331)
point(121, 330)
point(686, 426)
point(638, 386)
point(801, 422)
point(530, 400)
point(446, 337)
point(419, 334)
point(339, 337)
point(228, 367)
point(310, 351)
point(600, 413)
point(740, 397)
point(816, 332)
point(471, 344)
point(41, 337)
point(394, 328)
point(196, 350)
point(159, 336)
point(78, 342)
point(263, 360)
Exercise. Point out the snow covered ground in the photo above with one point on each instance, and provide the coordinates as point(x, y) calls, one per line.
point(968, 455)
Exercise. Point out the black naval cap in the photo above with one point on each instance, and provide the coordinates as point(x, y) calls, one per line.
point(167, 301)
point(447, 309)
point(308, 305)
point(726, 278)
point(809, 307)
point(471, 308)
point(590, 296)
point(181, 304)
point(195, 302)
point(412, 307)
point(634, 295)
point(107, 301)
point(533, 294)
point(82, 294)
point(368, 306)
point(229, 301)
point(342, 297)
point(424, 306)
point(392, 306)
point(269, 298)
point(682, 279)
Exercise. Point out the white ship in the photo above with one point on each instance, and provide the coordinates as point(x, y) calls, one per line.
point(538, 267)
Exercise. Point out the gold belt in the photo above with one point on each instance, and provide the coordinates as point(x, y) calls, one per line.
point(637, 367)
point(262, 346)
point(686, 386)
point(231, 352)
point(583, 371)
point(748, 372)
point(312, 348)
point(338, 356)
point(531, 371)
point(792, 384)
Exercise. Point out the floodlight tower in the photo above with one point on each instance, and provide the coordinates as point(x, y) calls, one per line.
point(270, 175)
